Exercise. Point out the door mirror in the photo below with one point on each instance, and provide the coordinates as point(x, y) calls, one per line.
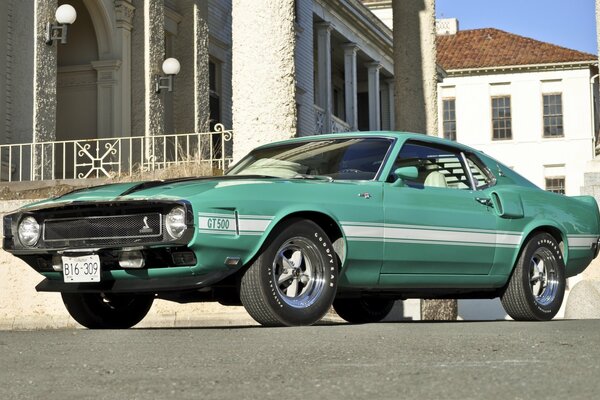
point(405, 173)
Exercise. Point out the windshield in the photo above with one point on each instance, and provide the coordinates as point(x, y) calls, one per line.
point(339, 159)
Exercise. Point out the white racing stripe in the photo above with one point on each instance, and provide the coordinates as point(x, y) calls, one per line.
point(581, 242)
point(253, 225)
point(431, 235)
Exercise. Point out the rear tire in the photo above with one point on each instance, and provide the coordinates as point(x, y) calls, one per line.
point(537, 286)
point(363, 310)
point(294, 279)
point(107, 311)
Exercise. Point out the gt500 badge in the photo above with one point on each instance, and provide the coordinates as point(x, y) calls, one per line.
point(233, 224)
point(217, 223)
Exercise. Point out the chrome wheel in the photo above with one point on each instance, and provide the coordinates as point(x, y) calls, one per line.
point(536, 287)
point(299, 272)
point(543, 278)
point(294, 279)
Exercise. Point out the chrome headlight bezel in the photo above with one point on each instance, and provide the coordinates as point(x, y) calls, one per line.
point(29, 231)
point(175, 222)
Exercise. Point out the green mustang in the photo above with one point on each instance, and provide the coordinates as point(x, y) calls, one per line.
point(355, 220)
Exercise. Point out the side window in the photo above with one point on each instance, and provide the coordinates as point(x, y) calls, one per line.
point(482, 176)
point(437, 166)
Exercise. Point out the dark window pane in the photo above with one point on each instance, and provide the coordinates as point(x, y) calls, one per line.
point(553, 118)
point(556, 185)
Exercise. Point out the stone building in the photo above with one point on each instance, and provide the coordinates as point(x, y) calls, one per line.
point(267, 70)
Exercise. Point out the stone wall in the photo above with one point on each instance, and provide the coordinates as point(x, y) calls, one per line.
point(3, 61)
point(19, 71)
point(191, 94)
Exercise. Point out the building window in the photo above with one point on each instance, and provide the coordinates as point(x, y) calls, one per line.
point(556, 184)
point(501, 118)
point(449, 118)
point(553, 115)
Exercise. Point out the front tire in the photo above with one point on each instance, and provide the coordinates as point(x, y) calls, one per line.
point(107, 311)
point(294, 279)
point(363, 310)
point(537, 286)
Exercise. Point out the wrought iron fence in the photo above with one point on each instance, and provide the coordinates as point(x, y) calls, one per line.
point(107, 157)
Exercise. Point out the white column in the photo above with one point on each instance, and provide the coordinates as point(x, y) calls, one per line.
point(324, 95)
point(124, 11)
point(374, 100)
point(263, 73)
point(391, 103)
point(109, 101)
point(415, 67)
point(350, 78)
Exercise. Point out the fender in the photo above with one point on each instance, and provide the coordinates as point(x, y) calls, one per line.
point(289, 212)
point(506, 258)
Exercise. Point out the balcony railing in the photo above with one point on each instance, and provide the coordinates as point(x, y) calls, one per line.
point(108, 157)
point(336, 124)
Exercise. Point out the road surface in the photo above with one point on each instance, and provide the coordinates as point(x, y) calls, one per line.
point(452, 360)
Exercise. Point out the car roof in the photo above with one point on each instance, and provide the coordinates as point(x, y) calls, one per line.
point(401, 136)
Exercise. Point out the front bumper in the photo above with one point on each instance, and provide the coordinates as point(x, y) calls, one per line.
point(139, 285)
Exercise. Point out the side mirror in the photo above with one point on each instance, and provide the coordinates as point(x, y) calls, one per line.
point(405, 173)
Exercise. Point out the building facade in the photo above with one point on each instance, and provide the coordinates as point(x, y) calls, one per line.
point(333, 60)
point(530, 104)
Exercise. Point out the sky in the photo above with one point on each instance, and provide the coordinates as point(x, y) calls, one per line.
point(567, 23)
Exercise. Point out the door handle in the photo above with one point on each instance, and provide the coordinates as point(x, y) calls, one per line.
point(484, 201)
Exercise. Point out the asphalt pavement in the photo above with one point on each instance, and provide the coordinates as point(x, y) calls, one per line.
point(405, 360)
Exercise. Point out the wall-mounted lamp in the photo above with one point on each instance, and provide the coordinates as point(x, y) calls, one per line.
point(170, 68)
point(65, 16)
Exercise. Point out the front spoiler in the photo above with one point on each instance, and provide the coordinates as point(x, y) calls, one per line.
point(155, 285)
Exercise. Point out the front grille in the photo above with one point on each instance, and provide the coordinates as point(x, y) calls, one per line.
point(105, 229)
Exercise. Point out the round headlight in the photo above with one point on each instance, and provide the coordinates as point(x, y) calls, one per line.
point(175, 222)
point(29, 231)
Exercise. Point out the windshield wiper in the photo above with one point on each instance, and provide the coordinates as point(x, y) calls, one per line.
point(313, 177)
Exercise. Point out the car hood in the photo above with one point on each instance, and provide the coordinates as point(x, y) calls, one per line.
point(173, 189)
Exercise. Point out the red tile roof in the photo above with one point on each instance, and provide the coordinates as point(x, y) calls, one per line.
point(484, 48)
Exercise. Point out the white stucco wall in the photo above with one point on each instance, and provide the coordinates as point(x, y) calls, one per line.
point(263, 73)
point(529, 153)
point(384, 12)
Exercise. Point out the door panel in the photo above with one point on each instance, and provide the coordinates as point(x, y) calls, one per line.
point(435, 223)
point(434, 230)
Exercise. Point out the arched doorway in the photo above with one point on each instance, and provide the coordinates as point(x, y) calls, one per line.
point(77, 91)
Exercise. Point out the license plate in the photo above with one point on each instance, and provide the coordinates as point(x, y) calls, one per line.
point(81, 268)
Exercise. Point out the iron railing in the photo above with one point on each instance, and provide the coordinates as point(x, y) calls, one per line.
point(337, 125)
point(107, 157)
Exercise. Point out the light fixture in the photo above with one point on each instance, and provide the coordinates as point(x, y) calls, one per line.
point(170, 67)
point(65, 15)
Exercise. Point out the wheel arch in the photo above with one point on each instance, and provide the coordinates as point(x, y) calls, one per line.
point(544, 227)
point(325, 221)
